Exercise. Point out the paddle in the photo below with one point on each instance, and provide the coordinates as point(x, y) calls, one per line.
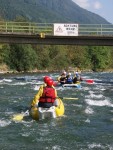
point(19, 117)
point(70, 98)
point(109, 82)
point(90, 81)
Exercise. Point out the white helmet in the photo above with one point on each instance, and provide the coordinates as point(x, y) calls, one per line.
point(64, 73)
point(69, 74)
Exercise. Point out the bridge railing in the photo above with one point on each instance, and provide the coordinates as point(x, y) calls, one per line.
point(95, 29)
point(25, 28)
point(47, 28)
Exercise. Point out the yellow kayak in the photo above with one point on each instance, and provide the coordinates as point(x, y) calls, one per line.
point(52, 112)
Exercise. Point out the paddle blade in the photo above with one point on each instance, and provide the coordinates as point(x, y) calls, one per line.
point(90, 81)
point(18, 117)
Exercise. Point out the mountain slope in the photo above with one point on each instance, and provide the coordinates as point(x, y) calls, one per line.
point(48, 11)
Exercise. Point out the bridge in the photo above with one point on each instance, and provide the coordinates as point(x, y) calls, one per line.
point(42, 33)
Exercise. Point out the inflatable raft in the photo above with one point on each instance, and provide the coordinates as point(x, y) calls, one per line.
point(76, 85)
point(52, 112)
point(72, 85)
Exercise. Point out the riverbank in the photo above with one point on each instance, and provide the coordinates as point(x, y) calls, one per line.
point(5, 70)
point(45, 71)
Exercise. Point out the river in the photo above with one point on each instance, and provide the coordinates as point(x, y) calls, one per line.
point(86, 125)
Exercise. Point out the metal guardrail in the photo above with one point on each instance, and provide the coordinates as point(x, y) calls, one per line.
point(25, 28)
point(96, 29)
point(47, 28)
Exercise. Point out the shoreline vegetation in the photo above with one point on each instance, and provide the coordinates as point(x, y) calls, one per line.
point(5, 70)
point(20, 58)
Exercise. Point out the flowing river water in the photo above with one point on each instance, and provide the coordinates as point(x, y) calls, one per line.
point(86, 125)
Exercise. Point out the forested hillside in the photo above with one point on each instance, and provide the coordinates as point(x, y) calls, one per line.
point(48, 11)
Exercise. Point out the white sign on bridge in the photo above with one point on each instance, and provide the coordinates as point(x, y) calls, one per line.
point(65, 29)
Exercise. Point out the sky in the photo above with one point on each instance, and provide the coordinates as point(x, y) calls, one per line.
point(104, 8)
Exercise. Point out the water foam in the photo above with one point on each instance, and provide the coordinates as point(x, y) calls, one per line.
point(94, 145)
point(36, 87)
point(87, 121)
point(7, 80)
point(89, 110)
point(19, 83)
point(99, 103)
point(4, 123)
point(97, 96)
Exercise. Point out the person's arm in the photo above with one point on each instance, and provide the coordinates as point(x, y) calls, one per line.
point(59, 78)
point(56, 93)
point(37, 96)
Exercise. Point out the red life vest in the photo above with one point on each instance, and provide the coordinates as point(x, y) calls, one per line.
point(48, 95)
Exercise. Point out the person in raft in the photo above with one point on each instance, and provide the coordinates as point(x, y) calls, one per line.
point(76, 77)
point(69, 78)
point(62, 78)
point(46, 96)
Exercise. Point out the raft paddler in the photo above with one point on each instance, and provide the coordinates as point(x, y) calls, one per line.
point(69, 78)
point(62, 78)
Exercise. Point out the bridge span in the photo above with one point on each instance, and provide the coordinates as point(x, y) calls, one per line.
point(56, 40)
point(34, 33)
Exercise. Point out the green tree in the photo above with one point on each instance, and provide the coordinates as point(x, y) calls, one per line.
point(78, 56)
point(20, 57)
point(58, 57)
point(43, 60)
point(4, 53)
point(100, 57)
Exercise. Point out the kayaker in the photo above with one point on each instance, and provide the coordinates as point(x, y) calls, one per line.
point(46, 96)
point(62, 78)
point(46, 78)
point(69, 78)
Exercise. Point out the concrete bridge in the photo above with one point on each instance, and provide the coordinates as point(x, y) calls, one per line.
point(37, 33)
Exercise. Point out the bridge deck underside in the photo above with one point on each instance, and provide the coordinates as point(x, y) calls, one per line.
point(56, 40)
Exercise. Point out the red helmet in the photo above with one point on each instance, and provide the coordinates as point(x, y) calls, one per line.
point(50, 82)
point(46, 78)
